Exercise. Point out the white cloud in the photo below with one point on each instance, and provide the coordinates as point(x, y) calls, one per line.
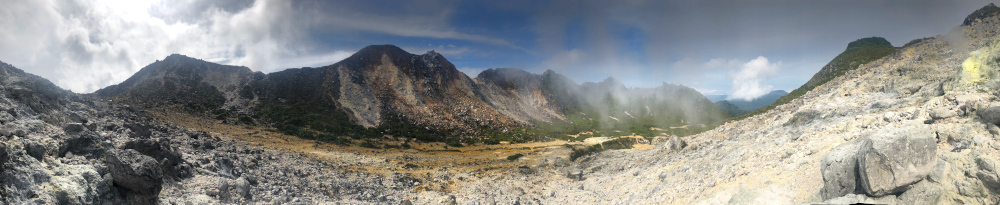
point(748, 81)
point(85, 45)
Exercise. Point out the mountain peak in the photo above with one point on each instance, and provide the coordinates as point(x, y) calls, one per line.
point(870, 41)
point(379, 49)
point(987, 11)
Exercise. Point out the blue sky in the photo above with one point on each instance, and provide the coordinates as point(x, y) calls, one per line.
point(739, 48)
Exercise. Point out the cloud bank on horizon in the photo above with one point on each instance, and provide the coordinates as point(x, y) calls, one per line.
point(715, 46)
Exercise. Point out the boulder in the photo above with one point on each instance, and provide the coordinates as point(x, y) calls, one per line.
point(74, 128)
point(925, 192)
point(88, 145)
point(891, 159)
point(575, 174)
point(675, 143)
point(839, 168)
point(942, 113)
point(987, 173)
point(991, 115)
point(8, 130)
point(35, 149)
point(160, 150)
point(133, 171)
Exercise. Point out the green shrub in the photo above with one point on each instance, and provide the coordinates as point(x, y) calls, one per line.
point(514, 157)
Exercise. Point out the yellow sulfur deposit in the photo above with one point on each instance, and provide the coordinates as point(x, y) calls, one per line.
point(972, 68)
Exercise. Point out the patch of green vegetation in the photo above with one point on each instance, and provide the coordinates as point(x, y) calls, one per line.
point(618, 143)
point(577, 153)
point(915, 41)
point(985, 12)
point(514, 157)
point(454, 143)
point(861, 51)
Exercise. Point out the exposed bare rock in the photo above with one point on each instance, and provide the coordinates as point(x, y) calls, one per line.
point(134, 171)
point(675, 143)
point(840, 169)
point(889, 160)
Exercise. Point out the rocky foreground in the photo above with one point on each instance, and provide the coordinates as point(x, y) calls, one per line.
point(916, 127)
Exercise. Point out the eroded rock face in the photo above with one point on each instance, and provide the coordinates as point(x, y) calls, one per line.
point(889, 160)
point(839, 169)
point(136, 172)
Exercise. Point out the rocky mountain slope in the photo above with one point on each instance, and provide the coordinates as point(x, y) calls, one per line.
point(58, 147)
point(918, 126)
point(385, 90)
point(858, 52)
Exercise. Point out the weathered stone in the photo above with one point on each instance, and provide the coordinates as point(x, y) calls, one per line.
point(942, 113)
point(675, 143)
point(7, 130)
point(863, 199)
point(87, 145)
point(924, 192)
point(133, 171)
point(991, 115)
point(891, 159)
point(161, 151)
point(35, 149)
point(74, 128)
point(5, 117)
point(839, 169)
point(575, 174)
point(242, 187)
point(987, 173)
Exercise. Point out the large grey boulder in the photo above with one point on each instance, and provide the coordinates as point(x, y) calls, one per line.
point(172, 165)
point(675, 143)
point(889, 160)
point(991, 115)
point(988, 173)
point(133, 171)
point(839, 168)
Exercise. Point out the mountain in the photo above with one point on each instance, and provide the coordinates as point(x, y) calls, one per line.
point(382, 89)
point(916, 126)
point(743, 106)
point(728, 107)
point(858, 52)
point(716, 98)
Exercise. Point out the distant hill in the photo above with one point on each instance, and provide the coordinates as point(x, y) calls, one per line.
point(716, 98)
point(741, 107)
point(858, 52)
point(384, 90)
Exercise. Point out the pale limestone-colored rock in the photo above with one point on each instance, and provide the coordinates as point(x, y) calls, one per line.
point(891, 159)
